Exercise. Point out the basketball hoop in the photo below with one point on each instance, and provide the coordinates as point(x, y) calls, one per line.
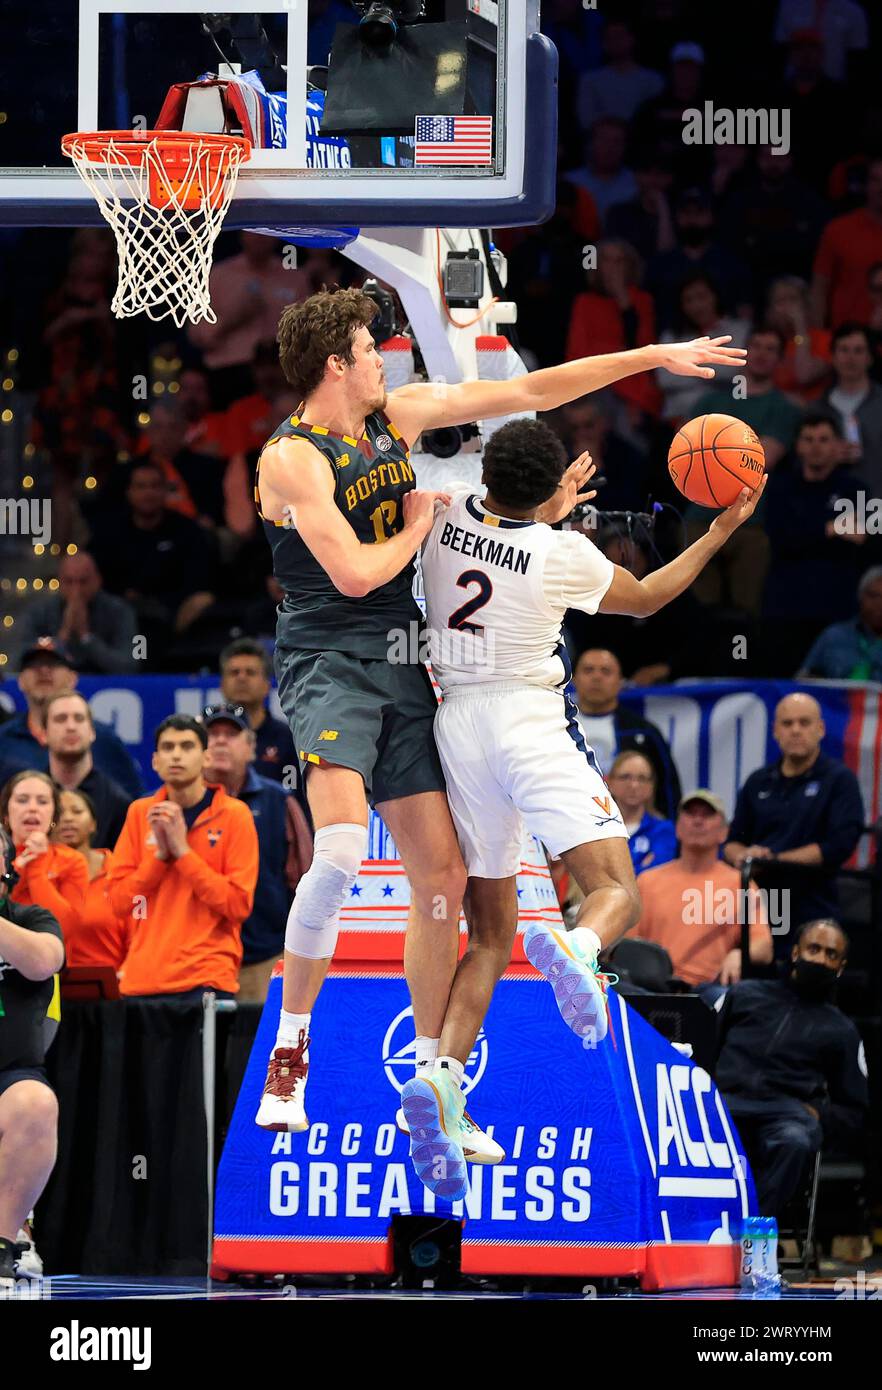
point(165, 193)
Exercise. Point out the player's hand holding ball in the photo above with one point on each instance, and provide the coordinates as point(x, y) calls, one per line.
point(713, 458)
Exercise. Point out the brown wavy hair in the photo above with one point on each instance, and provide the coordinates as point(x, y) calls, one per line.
point(10, 786)
point(320, 327)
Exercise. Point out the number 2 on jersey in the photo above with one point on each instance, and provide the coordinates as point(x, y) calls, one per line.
point(459, 617)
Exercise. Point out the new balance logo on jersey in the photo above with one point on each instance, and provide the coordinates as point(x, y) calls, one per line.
point(328, 735)
point(484, 548)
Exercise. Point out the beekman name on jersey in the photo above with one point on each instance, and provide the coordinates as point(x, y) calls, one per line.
point(492, 552)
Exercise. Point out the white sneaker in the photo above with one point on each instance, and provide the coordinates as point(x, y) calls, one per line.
point(282, 1104)
point(28, 1265)
point(477, 1146)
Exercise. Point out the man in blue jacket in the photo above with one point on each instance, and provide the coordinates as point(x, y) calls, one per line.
point(45, 670)
point(283, 836)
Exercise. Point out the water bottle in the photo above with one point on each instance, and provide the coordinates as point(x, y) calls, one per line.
point(759, 1256)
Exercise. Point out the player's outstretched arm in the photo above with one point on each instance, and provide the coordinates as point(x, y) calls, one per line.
point(640, 598)
point(297, 489)
point(432, 405)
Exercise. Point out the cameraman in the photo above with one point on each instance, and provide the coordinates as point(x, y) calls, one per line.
point(31, 953)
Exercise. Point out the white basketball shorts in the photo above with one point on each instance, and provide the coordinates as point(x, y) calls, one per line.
point(514, 753)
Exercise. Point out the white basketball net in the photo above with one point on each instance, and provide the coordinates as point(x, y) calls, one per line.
point(165, 253)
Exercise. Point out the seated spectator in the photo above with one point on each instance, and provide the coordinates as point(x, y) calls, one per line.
point(70, 738)
point(693, 906)
point(823, 116)
point(610, 727)
point(183, 875)
point(698, 316)
point(161, 562)
point(245, 674)
point(759, 403)
point(632, 781)
point(604, 172)
point(621, 86)
point(852, 650)
point(46, 670)
point(205, 431)
point(856, 401)
point(50, 876)
point(96, 629)
point(283, 836)
point(814, 551)
point(804, 810)
point(614, 315)
point(775, 220)
point(194, 481)
point(805, 367)
point(585, 424)
point(645, 221)
point(659, 121)
point(248, 293)
point(101, 937)
point(849, 246)
point(791, 1066)
point(32, 953)
point(698, 251)
point(838, 26)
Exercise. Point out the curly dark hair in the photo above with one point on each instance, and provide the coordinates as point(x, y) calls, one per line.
point(320, 327)
point(523, 464)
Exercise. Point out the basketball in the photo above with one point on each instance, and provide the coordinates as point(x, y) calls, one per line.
point(713, 457)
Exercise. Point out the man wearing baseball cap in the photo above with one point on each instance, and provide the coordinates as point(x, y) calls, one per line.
point(46, 669)
point(691, 905)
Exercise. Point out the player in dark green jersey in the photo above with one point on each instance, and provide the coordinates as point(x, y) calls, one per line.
point(338, 499)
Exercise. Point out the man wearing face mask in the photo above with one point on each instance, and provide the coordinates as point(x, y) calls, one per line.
point(791, 1066)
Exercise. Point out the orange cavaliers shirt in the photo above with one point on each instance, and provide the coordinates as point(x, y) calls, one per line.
point(56, 880)
point(186, 914)
point(695, 917)
point(102, 937)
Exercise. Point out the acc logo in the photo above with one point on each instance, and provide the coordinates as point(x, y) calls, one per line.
point(384, 443)
point(399, 1050)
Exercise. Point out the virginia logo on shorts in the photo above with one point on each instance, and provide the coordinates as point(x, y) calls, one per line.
point(399, 1053)
point(384, 443)
point(328, 735)
point(603, 803)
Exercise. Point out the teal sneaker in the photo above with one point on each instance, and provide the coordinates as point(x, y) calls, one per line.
point(579, 987)
point(433, 1108)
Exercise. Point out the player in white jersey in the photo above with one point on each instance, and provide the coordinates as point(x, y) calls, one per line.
point(498, 582)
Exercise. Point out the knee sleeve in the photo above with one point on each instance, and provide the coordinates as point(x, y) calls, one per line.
point(314, 919)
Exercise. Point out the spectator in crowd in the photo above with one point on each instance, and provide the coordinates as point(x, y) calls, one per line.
point(31, 954)
point(70, 738)
point(632, 781)
point(101, 937)
point(248, 293)
point(205, 430)
point(96, 629)
point(246, 675)
point(698, 251)
point(183, 875)
point(645, 221)
point(857, 402)
point(660, 121)
point(46, 670)
point(805, 367)
point(50, 876)
point(849, 246)
point(193, 481)
point(614, 315)
point(693, 906)
point(804, 811)
point(759, 403)
point(604, 172)
point(791, 1066)
point(610, 727)
point(852, 650)
point(840, 27)
point(283, 835)
point(621, 86)
point(816, 546)
point(774, 220)
point(162, 563)
point(248, 424)
point(698, 316)
point(822, 117)
point(585, 424)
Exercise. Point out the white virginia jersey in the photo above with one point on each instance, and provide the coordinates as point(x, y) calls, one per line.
point(497, 591)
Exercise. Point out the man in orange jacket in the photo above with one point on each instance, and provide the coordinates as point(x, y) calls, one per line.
point(184, 870)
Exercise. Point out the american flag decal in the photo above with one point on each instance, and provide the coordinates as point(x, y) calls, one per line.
point(454, 140)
